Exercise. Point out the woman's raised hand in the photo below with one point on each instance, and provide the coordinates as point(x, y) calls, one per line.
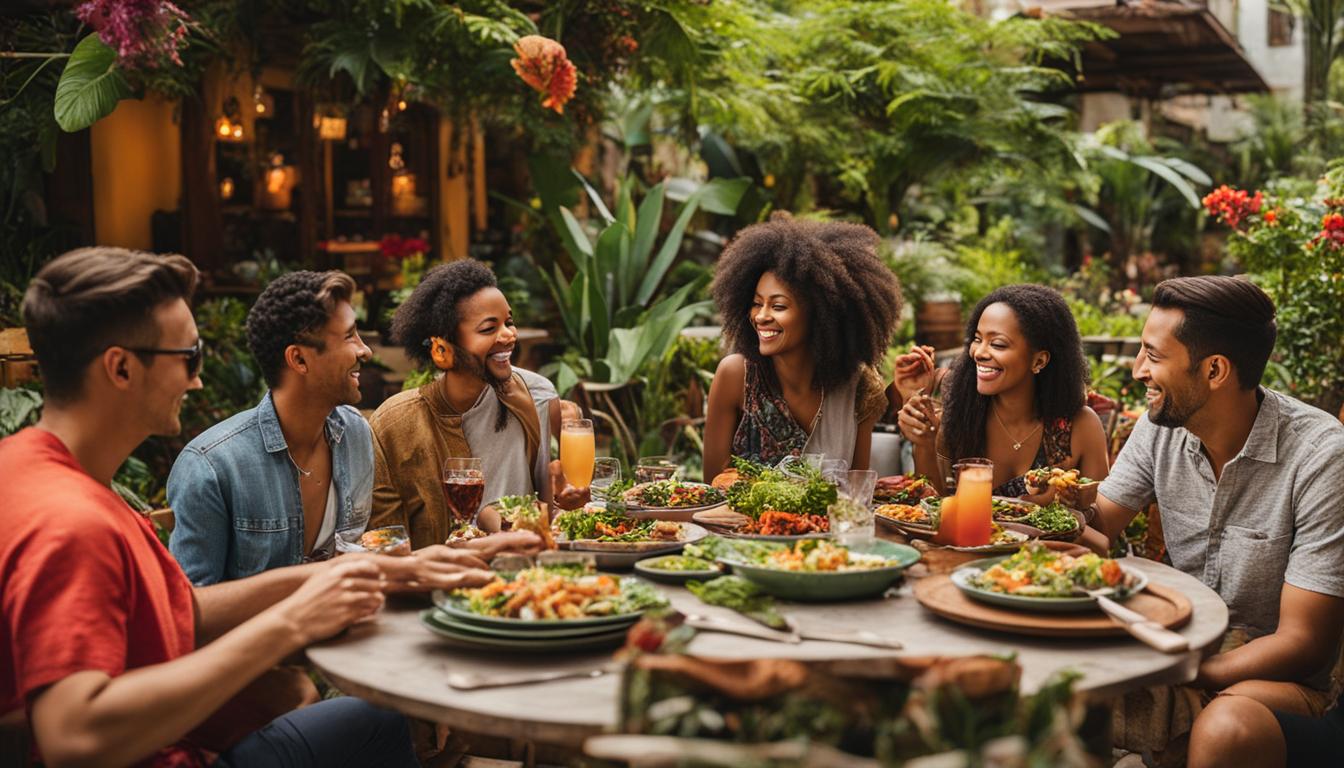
point(919, 421)
point(914, 372)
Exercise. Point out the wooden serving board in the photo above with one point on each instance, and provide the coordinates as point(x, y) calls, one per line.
point(1164, 605)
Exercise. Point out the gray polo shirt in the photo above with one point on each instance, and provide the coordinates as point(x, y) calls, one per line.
point(1276, 515)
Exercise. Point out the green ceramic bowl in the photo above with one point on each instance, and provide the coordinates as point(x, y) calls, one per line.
point(822, 587)
point(650, 569)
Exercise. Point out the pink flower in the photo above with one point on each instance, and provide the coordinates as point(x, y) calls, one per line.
point(144, 33)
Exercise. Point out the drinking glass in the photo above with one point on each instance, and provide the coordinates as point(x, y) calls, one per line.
point(463, 487)
point(833, 470)
point(851, 516)
point(973, 513)
point(606, 472)
point(577, 452)
point(654, 468)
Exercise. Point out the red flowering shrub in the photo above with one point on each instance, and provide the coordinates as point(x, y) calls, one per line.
point(396, 247)
point(1232, 206)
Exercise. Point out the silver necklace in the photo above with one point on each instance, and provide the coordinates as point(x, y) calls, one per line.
point(1017, 444)
point(307, 473)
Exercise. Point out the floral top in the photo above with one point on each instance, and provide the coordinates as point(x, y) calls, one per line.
point(768, 431)
point(1056, 448)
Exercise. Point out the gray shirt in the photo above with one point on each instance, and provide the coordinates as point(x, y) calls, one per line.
point(501, 453)
point(1275, 515)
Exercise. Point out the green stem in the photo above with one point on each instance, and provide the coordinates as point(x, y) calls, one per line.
point(36, 72)
point(32, 55)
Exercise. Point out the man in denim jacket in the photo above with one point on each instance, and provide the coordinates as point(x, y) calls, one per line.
point(271, 486)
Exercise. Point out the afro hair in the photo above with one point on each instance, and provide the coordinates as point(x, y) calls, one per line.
point(853, 300)
point(431, 309)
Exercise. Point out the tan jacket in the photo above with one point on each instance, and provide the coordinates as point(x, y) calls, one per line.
point(413, 432)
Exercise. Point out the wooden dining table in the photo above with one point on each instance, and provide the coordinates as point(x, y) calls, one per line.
point(394, 661)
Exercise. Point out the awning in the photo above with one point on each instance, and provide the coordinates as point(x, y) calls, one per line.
point(1163, 48)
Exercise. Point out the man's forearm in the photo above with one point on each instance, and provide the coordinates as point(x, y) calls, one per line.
point(1272, 657)
point(228, 604)
point(117, 721)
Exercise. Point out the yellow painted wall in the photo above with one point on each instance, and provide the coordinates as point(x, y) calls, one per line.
point(137, 169)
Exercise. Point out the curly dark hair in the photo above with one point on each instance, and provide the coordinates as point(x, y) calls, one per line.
point(1060, 386)
point(431, 309)
point(853, 300)
point(291, 307)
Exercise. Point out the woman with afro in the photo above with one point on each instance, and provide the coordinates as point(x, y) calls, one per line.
point(1016, 397)
point(480, 406)
point(808, 310)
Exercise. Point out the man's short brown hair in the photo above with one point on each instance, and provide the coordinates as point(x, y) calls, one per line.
point(289, 311)
point(90, 299)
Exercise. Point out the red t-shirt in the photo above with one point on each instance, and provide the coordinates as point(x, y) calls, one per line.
point(87, 584)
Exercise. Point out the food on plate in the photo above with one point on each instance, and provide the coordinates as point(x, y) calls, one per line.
point(903, 489)
point(725, 479)
point(390, 540)
point(1035, 571)
point(1012, 511)
point(779, 504)
point(542, 593)
point(680, 563)
point(527, 513)
point(672, 494)
point(1052, 518)
point(904, 513)
point(604, 524)
point(775, 523)
point(809, 555)
point(740, 595)
point(1056, 478)
point(465, 532)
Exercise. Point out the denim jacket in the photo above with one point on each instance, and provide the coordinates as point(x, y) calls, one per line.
point(235, 493)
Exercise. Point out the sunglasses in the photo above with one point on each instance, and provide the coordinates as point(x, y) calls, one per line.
point(195, 355)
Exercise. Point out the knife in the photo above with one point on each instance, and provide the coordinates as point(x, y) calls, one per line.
point(860, 637)
point(1143, 628)
point(714, 624)
point(469, 681)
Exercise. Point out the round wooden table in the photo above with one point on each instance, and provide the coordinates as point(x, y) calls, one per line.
point(395, 662)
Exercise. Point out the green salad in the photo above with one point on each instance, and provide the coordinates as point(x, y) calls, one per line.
point(762, 489)
point(602, 525)
point(1052, 518)
point(740, 595)
point(1036, 571)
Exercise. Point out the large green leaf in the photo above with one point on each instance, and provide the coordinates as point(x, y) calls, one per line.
point(577, 238)
point(723, 195)
point(90, 86)
point(646, 226)
point(553, 179)
point(1173, 178)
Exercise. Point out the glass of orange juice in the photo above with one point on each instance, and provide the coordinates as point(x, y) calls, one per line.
point(973, 520)
point(577, 451)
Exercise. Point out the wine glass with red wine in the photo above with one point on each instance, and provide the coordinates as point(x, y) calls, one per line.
point(463, 487)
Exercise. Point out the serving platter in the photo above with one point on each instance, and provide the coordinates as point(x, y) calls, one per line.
point(940, 596)
point(624, 554)
point(963, 577)
point(460, 635)
point(815, 586)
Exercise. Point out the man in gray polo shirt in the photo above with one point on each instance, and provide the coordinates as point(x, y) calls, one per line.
point(1250, 484)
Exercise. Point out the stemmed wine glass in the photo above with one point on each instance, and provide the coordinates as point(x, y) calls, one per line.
point(463, 487)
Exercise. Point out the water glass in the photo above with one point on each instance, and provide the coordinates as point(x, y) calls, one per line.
point(606, 473)
point(851, 522)
point(654, 468)
point(833, 470)
point(859, 484)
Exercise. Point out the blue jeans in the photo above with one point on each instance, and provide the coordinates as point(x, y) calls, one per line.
point(333, 733)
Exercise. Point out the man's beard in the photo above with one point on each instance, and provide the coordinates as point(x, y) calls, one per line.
point(1176, 412)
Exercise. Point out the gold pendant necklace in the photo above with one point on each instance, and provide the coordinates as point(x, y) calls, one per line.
point(1017, 444)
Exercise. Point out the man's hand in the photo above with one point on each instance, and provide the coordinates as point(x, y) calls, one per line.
point(434, 567)
point(332, 599)
point(565, 495)
point(517, 542)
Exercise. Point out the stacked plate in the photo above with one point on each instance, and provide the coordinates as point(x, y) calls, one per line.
point(452, 621)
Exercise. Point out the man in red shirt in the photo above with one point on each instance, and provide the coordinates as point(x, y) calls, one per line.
point(114, 655)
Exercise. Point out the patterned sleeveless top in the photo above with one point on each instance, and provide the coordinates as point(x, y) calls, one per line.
point(768, 432)
point(1056, 448)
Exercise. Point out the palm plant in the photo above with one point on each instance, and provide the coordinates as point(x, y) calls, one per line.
point(1132, 186)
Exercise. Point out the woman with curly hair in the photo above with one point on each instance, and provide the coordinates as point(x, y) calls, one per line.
point(808, 309)
point(1017, 397)
point(480, 406)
